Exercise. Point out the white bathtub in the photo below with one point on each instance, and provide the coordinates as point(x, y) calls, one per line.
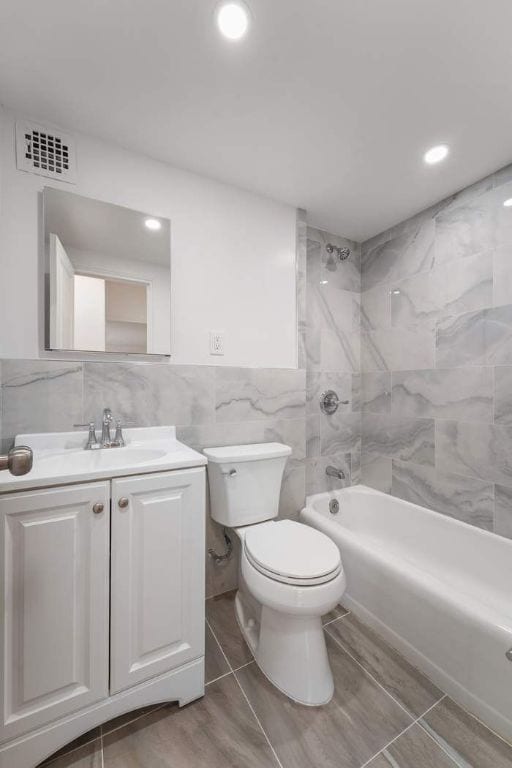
point(438, 590)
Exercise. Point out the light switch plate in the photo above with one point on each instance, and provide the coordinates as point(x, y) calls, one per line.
point(216, 342)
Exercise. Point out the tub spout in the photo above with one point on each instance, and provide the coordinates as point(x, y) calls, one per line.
point(333, 472)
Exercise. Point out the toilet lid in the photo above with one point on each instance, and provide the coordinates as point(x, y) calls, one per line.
point(292, 552)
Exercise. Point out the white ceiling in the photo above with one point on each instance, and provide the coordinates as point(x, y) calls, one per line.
point(327, 104)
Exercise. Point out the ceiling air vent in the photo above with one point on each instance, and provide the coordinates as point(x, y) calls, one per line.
point(45, 151)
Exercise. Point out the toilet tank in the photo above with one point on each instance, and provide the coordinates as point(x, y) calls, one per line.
point(245, 482)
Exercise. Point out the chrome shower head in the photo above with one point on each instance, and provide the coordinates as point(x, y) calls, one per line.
point(341, 253)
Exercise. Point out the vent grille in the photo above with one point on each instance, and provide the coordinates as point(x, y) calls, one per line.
point(45, 151)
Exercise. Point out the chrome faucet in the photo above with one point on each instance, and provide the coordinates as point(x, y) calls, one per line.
point(106, 438)
point(334, 472)
point(107, 441)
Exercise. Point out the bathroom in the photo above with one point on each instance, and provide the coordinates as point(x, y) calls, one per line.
point(256, 384)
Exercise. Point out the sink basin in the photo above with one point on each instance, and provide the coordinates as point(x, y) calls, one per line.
point(90, 461)
point(60, 457)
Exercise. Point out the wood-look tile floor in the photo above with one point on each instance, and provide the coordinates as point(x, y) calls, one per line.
point(384, 714)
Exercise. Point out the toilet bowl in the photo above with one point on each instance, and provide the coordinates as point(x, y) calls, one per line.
point(290, 574)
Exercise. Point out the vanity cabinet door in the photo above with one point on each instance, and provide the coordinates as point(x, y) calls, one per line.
point(55, 576)
point(157, 574)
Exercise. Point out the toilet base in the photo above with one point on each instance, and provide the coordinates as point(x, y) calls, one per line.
point(290, 650)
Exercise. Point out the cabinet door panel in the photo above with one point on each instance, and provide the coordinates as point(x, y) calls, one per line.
point(55, 557)
point(157, 588)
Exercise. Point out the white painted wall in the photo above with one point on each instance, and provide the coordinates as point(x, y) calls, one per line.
point(233, 254)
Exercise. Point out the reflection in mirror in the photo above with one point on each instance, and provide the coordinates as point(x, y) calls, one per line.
point(108, 277)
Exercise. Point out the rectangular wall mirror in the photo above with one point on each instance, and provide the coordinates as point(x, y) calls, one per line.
point(108, 277)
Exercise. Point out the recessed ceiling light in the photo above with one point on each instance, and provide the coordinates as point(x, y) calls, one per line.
point(508, 202)
point(152, 224)
point(436, 154)
point(233, 20)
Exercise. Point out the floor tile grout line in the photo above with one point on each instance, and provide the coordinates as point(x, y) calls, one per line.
point(242, 666)
point(220, 677)
point(219, 644)
point(233, 672)
point(343, 647)
point(440, 744)
point(414, 722)
point(337, 618)
point(258, 720)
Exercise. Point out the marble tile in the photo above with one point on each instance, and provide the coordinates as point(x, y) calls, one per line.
point(377, 472)
point(319, 381)
point(376, 392)
point(316, 479)
point(219, 731)
point(413, 749)
point(199, 436)
point(415, 692)
point(398, 349)
point(313, 444)
point(40, 396)
point(356, 392)
point(293, 489)
point(215, 662)
point(462, 285)
point(503, 215)
point(468, 742)
point(340, 433)
point(452, 393)
point(220, 613)
point(359, 720)
point(88, 756)
point(403, 255)
point(301, 279)
point(291, 432)
point(347, 274)
point(476, 338)
point(398, 437)
point(502, 275)
point(376, 308)
point(465, 227)
point(463, 498)
point(340, 350)
point(355, 467)
point(259, 393)
point(503, 396)
point(150, 394)
point(503, 511)
point(476, 450)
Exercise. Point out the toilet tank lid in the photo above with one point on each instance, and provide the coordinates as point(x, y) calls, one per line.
point(254, 452)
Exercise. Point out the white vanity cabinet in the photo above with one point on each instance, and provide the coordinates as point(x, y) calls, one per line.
point(157, 613)
point(55, 577)
point(102, 603)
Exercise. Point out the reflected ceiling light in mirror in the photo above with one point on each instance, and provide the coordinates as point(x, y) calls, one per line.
point(153, 224)
point(508, 202)
point(233, 20)
point(436, 154)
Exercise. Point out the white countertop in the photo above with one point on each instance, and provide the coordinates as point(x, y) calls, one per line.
point(60, 458)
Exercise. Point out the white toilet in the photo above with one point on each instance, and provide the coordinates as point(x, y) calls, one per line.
point(290, 574)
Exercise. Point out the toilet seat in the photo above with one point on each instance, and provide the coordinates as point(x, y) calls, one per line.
point(292, 553)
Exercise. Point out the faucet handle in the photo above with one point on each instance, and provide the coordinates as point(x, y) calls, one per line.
point(92, 443)
point(118, 441)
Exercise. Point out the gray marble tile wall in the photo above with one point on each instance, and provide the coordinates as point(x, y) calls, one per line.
point(210, 406)
point(332, 348)
point(436, 357)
